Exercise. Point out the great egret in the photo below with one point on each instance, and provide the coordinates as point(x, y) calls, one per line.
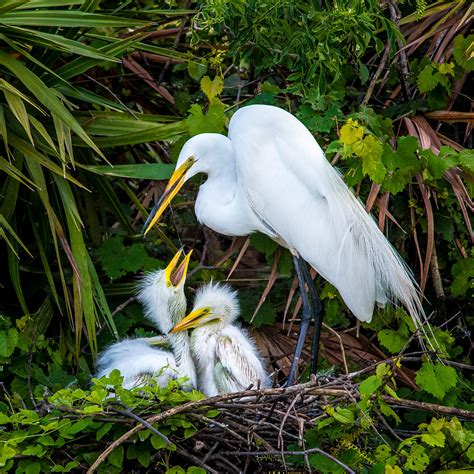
point(226, 358)
point(162, 295)
point(270, 175)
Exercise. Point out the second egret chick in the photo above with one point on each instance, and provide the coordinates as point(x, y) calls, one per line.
point(226, 358)
point(162, 295)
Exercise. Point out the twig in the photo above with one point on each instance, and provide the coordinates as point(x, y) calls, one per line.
point(294, 453)
point(430, 407)
point(145, 423)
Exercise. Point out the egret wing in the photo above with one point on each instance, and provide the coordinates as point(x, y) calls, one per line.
point(237, 365)
point(291, 186)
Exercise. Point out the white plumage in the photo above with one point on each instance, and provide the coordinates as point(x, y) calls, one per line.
point(226, 358)
point(270, 175)
point(162, 295)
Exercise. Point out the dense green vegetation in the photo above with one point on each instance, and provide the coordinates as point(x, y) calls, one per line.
point(86, 84)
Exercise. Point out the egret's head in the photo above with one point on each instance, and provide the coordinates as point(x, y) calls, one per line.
point(200, 154)
point(162, 292)
point(214, 304)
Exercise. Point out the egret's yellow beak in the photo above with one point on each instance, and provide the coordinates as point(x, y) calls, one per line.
point(175, 275)
point(192, 320)
point(174, 185)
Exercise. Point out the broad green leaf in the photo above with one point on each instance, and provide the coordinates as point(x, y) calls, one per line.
point(370, 149)
point(427, 79)
point(351, 132)
point(466, 160)
point(116, 457)
point(463, 51)
point(434, 439)
point(212, 88)
point(8, 342)
point(370, 385)
point(392, 340)
point(344, 415)
point(417, 458)
point(436, 379)
point(196, 70)
point(212, 122)
point(437, 165)
point(463, 273)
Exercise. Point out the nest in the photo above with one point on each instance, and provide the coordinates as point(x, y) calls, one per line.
point(256, 430)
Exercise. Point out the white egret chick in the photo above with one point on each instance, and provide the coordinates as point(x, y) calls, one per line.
point(270, 175)
point(226, 358)
point(162, 295)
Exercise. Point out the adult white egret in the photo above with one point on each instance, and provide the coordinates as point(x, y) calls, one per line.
point(226, 358)
point(270, 175)
point(162, 295)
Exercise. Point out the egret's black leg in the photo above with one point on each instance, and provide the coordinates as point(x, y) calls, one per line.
point(306, 314)
point(317, 308)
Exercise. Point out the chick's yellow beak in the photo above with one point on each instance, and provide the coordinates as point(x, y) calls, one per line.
point(176, 274)
point(192, 320)
point(174, 185)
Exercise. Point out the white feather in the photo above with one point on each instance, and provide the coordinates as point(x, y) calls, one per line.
point(226, 357)
point(271, 176)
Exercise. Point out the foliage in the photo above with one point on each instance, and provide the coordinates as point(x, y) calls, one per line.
point(86, 84)
point(47, 144)
point(85, 420)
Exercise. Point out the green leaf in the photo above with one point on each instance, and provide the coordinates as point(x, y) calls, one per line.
point(144, 457)
point(212, 122)
point(427, 79)
point(116, 456)
point(68, 18)
point(434, 439)
point(157, 171)
point(196, 70)
point(370, 149)
point(463, 51)
point(466, 160)
point(351, 132)
point(8, 342)
point(212, 88)
point(158, 442)
point(18, 109)
point(402, 165)
point(436, 379)
point(344, 415)
point(463, 273)
point(392, 340)
point(46, 96)
point(370, 385)
point(417, 459)
point(263, 244)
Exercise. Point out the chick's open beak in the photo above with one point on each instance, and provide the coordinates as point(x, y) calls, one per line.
point(174, 185)
point(192, 320)
point(176, 274)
